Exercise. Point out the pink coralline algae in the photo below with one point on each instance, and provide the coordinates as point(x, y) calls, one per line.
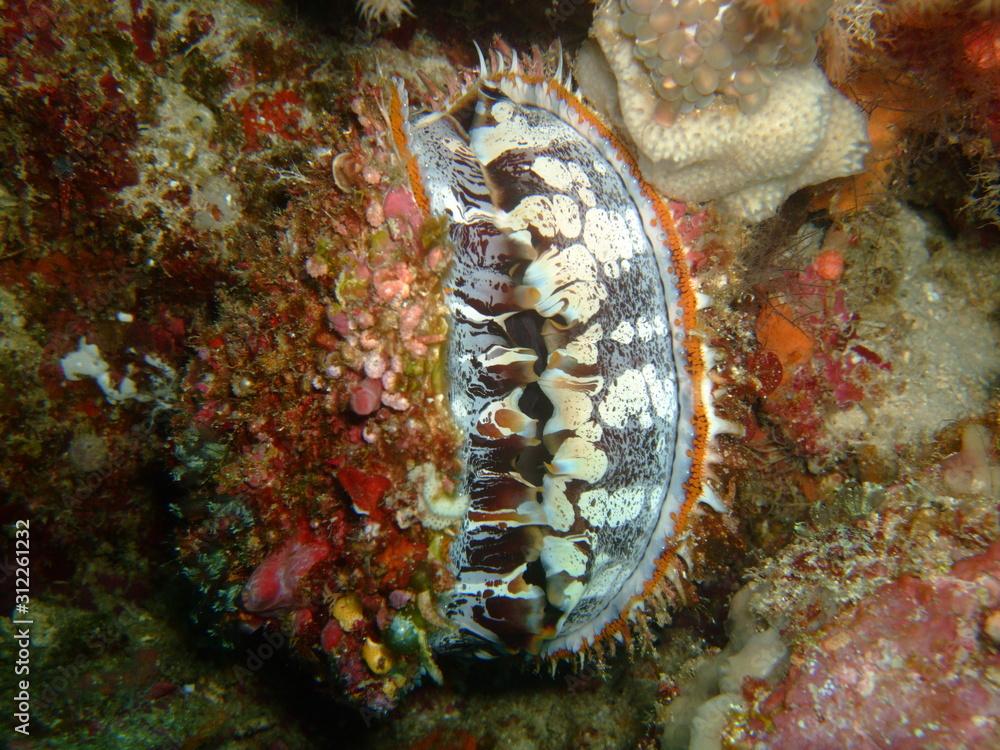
point(908, 667)
point(811, 361)
point(366, 397)
point(366, 491)
point(399, 204)
point(273, 583)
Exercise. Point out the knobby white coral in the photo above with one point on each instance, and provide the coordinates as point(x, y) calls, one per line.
point(715, 147)
point(384, 11)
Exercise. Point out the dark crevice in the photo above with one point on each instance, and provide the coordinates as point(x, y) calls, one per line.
point(534, 573)
point(525, 329)
point(535, 404)
point(530, 463)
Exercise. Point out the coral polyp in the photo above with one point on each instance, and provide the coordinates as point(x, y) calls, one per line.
point(696, 51)
point(390, 12)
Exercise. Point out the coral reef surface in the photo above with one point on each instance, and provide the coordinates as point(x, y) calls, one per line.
point(224, 404)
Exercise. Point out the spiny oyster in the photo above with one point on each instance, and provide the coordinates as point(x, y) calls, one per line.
point(575, 373)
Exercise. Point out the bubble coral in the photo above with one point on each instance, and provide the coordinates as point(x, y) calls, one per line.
point(723, 100)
